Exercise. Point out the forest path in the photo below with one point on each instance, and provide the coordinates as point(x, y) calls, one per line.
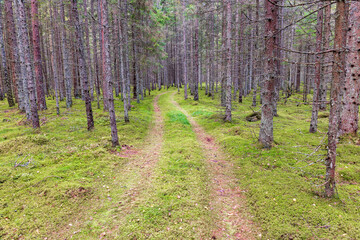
point(125, 193)
point(142, 163)
point(227, 198)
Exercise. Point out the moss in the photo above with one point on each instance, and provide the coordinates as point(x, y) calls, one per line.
point(51, 177)
point(284, 185)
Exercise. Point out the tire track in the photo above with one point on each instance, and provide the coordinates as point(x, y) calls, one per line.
point(227, 199)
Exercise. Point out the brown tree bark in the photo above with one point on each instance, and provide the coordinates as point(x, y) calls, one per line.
point(316, 97)
point(37, 55)
point(196, 60)
point(228, 83)
point(65, 55)
point(184, 49)
point(326, 58)
point(349, 123)
point(341, 27)
point(266, 136)
point(105, 44)
point(12, 46)
point(82, 65)
point(6, 78)
point(25, 60)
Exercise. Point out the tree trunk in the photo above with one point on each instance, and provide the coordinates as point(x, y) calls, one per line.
point(105, 44)
point(341, 27)
point(196, 61)
point(65, 55)
point(82, 65)
point(6, 78)
point(184, 50)
point(37, 55)
point(25, 59)
point(268, 96)
point(228, 82)
point(350, 104)
point(11, 41)
point(326, 57)
point(319, 32)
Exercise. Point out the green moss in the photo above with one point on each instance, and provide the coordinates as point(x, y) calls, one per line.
point(284, 185)
point(50, 178)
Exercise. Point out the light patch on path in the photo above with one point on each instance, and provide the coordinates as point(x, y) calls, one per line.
point(227, 199)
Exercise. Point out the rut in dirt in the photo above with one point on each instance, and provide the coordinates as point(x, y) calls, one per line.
point(227, 199)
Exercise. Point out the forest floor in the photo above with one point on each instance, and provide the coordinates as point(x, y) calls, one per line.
point(180, 173)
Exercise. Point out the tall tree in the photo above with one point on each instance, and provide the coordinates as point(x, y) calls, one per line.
point(316, 97)
point(83, 67)
point(349, 123)
point(105, 44)
point(341, 27)
point(228, 83)
point(196, 60)
point(37, 55)
point(6, 77)
point(266, 136)
point(25, 60)
point(184, 49)
point(11, 42)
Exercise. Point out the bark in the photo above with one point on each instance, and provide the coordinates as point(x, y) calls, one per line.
point(122, 69)
point(37, 55)
point(350, 104)
point(65, 55)
point(87, 42)
point(341, 26)
point(53, 61)
point(266, 128)
point(105, 44)
point(11, 41)
point(95, 54)
point(228, 82)
point(326, 58)
point(25, 59)
point(257, 72)
point(82, 65)
point(184, 50)
point(196, 61)
point(6, 78)
point(316, 97)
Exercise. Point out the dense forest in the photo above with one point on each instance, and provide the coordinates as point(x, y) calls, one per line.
point(179, 119)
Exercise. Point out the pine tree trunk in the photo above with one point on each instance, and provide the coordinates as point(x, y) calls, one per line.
point(37, 55)
point(341, 27)
point(228, 82)
point(6, 78)
point(11, 41)
point(184, 50)
point(196, 61)
point(65, 55)
point(53, 61)
point(105, 44)
point(326, 57)
point(82, 65)
point(25, 59)
point(266, 136)
point(316, 97)
point(349, 123)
